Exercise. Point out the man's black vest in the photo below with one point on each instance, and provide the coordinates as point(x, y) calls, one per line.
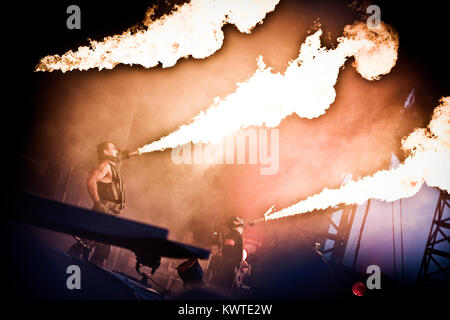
point(112, 191)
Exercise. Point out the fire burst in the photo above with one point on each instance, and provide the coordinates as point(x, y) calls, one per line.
point(428, 162)
point(194, 29)
point(306, 87)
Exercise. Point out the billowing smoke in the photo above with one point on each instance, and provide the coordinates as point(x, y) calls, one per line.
point(428, 162)
point(306, 87)
point(193, 29)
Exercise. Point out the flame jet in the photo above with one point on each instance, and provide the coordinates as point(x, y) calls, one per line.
point(306, 87)
point(428, 162)
point(193, 29)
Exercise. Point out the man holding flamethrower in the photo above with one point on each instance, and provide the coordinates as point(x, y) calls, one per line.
point(232, 249)
point(105, 186)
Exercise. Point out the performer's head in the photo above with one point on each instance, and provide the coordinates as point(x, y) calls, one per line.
point(107, 151)
point(236, 223)
point(215, 249)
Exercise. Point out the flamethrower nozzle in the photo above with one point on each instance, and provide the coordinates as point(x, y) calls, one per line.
point(125, 154)
point(253, 222)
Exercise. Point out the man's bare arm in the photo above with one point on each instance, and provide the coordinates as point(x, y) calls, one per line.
point(97, 175)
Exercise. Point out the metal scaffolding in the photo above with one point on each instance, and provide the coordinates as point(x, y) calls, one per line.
point(340, 238)
point(435, 268)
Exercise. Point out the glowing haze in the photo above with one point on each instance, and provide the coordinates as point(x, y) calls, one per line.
point(428, 162)
point(193, 29)
point(306, 87)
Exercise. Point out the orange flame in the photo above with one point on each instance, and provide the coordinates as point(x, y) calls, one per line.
point(428, 161)
point(306, 87)
point(193, 29)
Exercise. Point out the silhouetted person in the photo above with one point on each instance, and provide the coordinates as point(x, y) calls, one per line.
point(214, 264)
point(231, 253)
point(105, 186)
